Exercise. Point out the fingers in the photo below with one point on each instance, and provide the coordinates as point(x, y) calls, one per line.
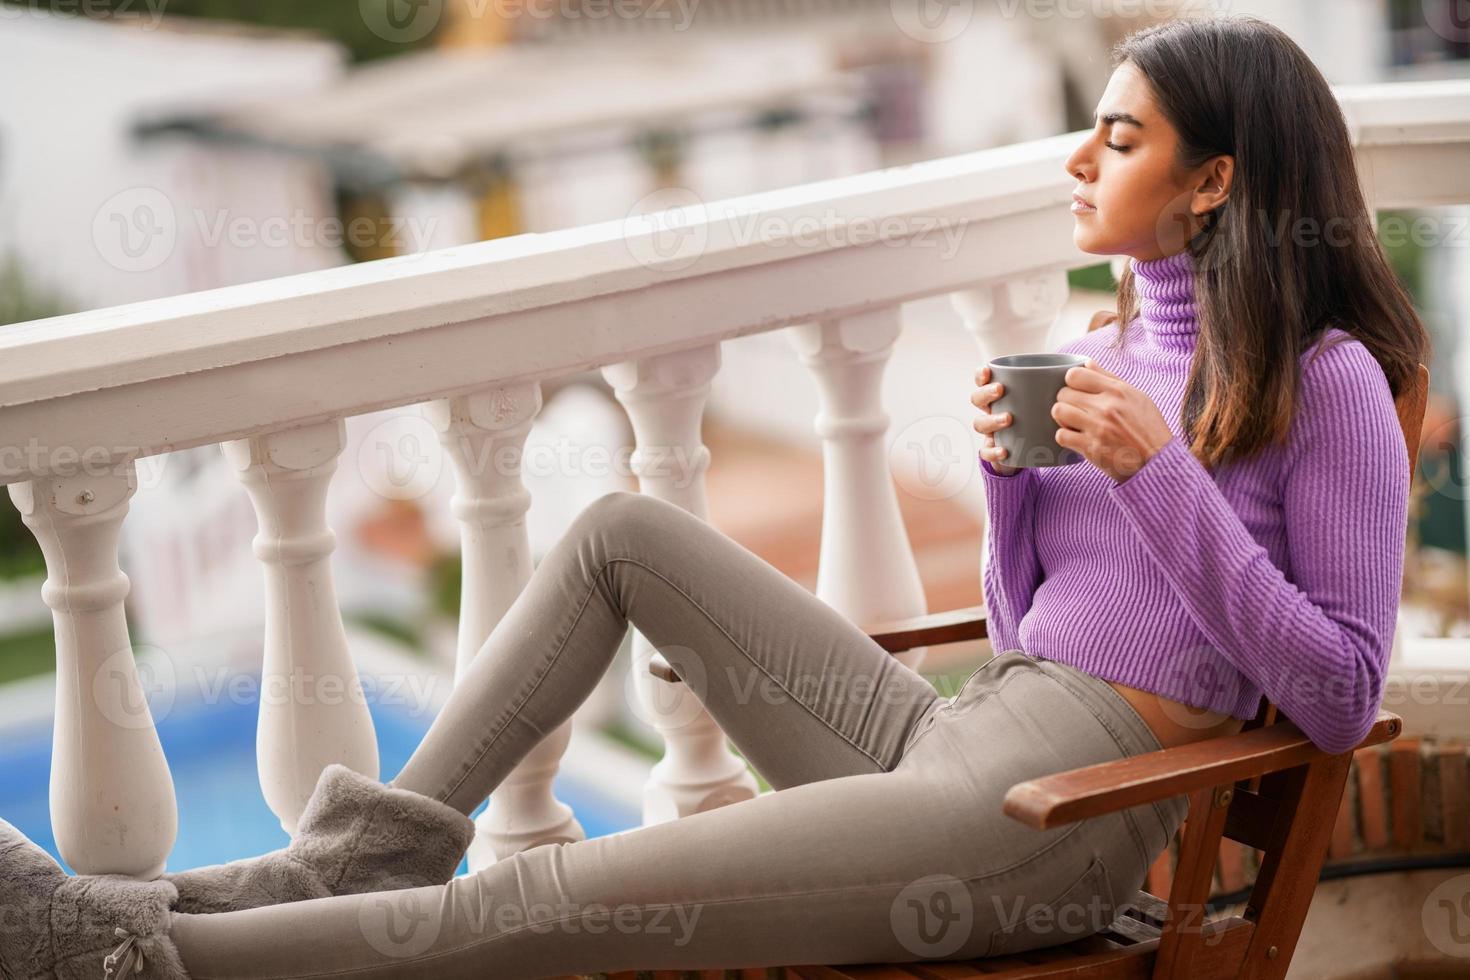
point(1071, 416)
point(993, 452)
point(1087, 379)
point(986, 393)
point(990, 422)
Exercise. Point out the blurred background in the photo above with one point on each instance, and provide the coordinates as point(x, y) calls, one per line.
point(155, 147)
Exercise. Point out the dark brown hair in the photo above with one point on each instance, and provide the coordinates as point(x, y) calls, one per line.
point(1264, 291)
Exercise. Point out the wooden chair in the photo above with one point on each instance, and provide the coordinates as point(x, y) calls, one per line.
point(1267, 787)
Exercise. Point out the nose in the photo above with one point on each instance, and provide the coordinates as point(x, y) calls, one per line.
point(1079, 164)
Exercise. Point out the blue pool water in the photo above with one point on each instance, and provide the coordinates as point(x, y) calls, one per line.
point(222, 814)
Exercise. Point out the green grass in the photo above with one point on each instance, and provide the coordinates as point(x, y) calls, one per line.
point(1097, 277)
point(27, 654)
point(398, 630)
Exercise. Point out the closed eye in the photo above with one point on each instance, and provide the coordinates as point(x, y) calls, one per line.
point(1120, 149)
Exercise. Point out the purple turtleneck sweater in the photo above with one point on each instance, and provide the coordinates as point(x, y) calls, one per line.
point(1280, 574)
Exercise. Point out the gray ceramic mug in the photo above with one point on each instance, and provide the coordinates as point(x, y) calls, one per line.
point(1031, 383)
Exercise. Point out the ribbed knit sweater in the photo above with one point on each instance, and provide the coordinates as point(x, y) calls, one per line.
point(1279, 573)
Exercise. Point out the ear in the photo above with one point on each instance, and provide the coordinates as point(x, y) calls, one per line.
point(1212, 189)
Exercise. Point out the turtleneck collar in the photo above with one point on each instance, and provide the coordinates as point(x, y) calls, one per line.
point(1166, 307)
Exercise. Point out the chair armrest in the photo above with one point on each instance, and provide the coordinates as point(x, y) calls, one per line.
point(1077, 794)
point(931, 629)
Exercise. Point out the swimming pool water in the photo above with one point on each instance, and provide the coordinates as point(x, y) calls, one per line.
point(222, 814)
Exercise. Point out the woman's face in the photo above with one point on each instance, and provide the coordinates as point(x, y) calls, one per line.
point(1141, 203)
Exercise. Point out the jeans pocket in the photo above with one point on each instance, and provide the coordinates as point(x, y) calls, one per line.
point(1080, 909)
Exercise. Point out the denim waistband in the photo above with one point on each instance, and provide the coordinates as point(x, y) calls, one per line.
point(1123, 722)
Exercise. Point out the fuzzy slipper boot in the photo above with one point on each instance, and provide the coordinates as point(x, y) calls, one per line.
point(356, 835)
point(58, 926)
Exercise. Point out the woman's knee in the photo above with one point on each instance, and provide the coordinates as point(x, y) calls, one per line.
point(624, 515)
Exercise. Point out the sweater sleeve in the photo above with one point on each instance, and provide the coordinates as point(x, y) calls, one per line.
point(1317, 646)
point(1011, 572)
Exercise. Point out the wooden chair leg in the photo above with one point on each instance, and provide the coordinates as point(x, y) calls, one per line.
point(1279, 901)
point(1194, 875)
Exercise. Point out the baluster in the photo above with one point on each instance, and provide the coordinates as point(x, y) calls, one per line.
point(664, 397)
point(866, 568)
point(112, 797)
point(484, 435)
point(1012, 317)
point(312, 708)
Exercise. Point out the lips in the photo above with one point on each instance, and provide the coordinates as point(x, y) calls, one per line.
point(1080, 204)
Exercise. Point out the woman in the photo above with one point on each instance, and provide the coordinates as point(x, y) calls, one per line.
point(1138, 601)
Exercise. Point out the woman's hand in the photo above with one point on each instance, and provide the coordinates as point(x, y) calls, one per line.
point(1116, 426)
point(987, 423)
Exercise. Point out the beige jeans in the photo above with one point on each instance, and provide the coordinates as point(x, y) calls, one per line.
point(884, 840)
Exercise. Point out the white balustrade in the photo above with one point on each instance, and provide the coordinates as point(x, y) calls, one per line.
point(664, 397)
point(258, 367)
point(112, 798)
point(484, 435)
point(312, 708)
point(866, 570)
point(1011, 317)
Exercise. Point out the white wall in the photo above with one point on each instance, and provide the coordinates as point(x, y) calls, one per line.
point(105, 220)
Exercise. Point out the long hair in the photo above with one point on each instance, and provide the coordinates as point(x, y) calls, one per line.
point(1291, 252)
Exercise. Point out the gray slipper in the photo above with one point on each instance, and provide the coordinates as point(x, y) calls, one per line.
point(80, 927)
point(356, 835)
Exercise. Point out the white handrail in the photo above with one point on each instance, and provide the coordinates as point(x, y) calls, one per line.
point(232, 362)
